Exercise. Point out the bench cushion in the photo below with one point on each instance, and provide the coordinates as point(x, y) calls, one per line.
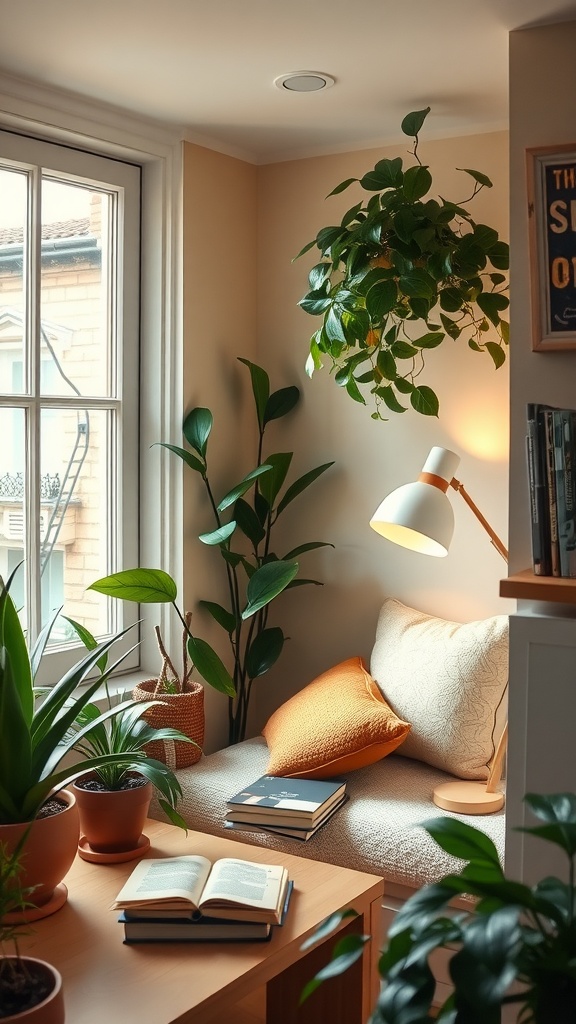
point(378, 829)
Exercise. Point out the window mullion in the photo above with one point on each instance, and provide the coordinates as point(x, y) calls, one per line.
point(33, 414)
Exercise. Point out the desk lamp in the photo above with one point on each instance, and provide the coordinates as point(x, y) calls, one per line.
point(419, 516)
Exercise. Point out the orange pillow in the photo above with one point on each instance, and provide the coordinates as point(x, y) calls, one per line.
point(337, 723)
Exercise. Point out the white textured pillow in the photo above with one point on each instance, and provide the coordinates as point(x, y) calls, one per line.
point(449, 680)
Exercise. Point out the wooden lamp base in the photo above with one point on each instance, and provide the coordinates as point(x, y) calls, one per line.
point(467, 798)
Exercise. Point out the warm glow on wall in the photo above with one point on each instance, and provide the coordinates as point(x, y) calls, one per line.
point(480, 431)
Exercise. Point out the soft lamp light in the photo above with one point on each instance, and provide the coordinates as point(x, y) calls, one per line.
point(419, 516)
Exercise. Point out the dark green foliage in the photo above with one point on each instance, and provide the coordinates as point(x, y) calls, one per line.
point(515, 947)
point(399, 266)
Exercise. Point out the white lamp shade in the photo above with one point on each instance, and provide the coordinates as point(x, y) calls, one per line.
point(419, 515)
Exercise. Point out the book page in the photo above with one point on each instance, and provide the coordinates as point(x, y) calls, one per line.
point(165, 879)
point(244, 882)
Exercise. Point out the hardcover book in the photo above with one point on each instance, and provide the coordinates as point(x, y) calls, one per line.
point(273, 797)
point(293, 827)
point(233, 889)
point(565, 471)
point(143, 926)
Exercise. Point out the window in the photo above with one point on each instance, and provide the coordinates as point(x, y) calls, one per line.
point(69, 300)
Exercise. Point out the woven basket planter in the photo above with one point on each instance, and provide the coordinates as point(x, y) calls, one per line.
point(183, 711)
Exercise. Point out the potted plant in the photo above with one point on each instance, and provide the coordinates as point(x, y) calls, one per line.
point(178, 704)
point(398, 275)
point(30, 989)
point(254, 573)
point(33, 755)
point(515, 947)
point(113, 798)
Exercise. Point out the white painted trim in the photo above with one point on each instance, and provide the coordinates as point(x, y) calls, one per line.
point(60, 117)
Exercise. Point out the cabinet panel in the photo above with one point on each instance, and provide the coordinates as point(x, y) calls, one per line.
point(542, 730)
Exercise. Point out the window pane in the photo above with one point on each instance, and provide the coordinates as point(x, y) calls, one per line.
point(12, 498)
point(77, 328)
point(13, 237)
point(76, 515)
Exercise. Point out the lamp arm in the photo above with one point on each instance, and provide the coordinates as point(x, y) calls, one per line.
point(493, 536)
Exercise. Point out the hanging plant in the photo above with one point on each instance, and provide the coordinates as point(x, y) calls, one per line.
point(399, 275)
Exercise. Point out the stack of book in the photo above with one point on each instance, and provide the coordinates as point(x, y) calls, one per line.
point(188, 899)
point(284, 806)
point(551, 453)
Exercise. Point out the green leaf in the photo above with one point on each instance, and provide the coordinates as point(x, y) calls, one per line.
point(347, 952)
point(497, 353)
point(390, 172)
point(485, 236)
point(387, 364)
point(482, 179)
point(221, 615)
point(210, 666)
point(424, 401)
point(381, 298)
point(417, 283)
point(340, 188)
point(243, 486)
point(387, 394)
point(248, 522)
point(260, 387)
point(354, 391)
point(267, 582)
point(413, 122)
point(451, 328)
point(307, 247)
point(499, 256)
point(333, 326)
point(264, 651)
point(301, 484)
point(186, 457)
point(302, 548)
point(300, 582)
point(315, 302)
point(219, 536)
point(402, 350)
point(404, 386)
point(280, 403)
point(271, 483)
point(463, 841)
point(491, 303)
point(417, 182)
point(90, 642)
point(144, 586)
point(196, 429)
point(451, 300)
point(318, 275)
point(431, 340)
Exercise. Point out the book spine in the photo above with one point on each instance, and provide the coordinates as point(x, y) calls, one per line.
point(565, 451)
point(537, 491)
point(551, 492)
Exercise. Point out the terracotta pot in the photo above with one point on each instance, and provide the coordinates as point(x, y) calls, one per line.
point(183, 711)
point(49, 850)
point(112, 821)
point(51, 1009)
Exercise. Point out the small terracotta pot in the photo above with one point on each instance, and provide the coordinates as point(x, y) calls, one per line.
point(183, 711)
point(51, 1009)
point(112, 821)
point(49, 849)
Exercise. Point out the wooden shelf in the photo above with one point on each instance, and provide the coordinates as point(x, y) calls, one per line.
point(525, 586)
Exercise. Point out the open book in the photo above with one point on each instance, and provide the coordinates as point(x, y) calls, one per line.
point(237, 890)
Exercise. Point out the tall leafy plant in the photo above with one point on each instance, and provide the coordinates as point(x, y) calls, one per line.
point(243, 534)
point(398, 275)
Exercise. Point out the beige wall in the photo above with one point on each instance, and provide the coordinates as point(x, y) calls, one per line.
point(219, 324)
point(223, 303)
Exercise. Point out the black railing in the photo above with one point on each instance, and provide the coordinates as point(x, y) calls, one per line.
point(12, 486)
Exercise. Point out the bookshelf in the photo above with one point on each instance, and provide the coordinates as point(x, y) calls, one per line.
point(525, 586)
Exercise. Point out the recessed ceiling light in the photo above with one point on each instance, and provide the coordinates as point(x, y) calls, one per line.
point(304, 81)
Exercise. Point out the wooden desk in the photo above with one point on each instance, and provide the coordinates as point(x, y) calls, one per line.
point(106, 981)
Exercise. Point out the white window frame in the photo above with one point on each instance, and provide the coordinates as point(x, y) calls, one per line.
point(59, 117)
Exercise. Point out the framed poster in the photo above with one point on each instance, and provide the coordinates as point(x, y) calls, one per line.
point(552, 224)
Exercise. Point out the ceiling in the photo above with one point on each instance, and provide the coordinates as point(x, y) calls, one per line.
point(207, 67)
